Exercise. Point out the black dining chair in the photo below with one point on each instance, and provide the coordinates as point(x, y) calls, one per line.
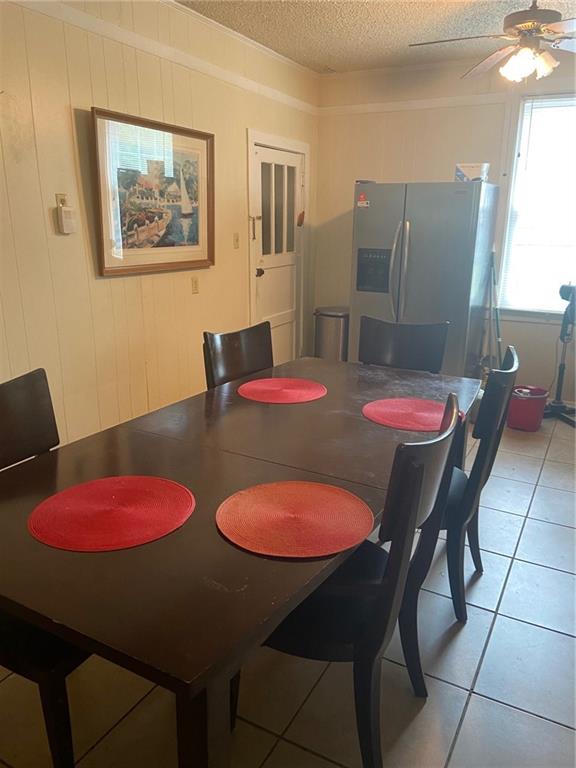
point(351, 617)
point(29, 429)
point(462, 509)
point(413, 346)
point(230, 356)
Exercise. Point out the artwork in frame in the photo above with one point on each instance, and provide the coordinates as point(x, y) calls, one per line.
point(156, 195)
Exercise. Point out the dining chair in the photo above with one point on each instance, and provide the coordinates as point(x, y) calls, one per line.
point(29, 429)
point(414, 346)
point(351, 617)
point(462, 508)
point(229, 356)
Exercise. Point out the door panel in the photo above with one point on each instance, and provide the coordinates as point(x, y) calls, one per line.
point(275, 200)
point(376, 257)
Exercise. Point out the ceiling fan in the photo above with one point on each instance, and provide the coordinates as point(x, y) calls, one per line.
point(531, 35)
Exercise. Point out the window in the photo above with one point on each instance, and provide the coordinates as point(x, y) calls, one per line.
point(540, 242)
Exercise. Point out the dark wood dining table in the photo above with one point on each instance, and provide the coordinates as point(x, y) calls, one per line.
point(185, 611)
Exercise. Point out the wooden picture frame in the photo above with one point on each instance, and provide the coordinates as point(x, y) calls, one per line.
point(155, 190)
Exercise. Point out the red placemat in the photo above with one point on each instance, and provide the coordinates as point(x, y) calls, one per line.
point(282, 390)
point(294, 519)
point(410, 413)
point(111, 513)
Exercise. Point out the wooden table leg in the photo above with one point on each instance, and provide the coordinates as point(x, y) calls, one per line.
point(203, 726)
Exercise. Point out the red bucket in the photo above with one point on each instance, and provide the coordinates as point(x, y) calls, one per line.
point(527, 408)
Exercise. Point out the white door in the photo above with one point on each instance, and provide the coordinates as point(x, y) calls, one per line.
point(276, 203)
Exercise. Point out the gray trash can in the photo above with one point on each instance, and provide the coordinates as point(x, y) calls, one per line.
point(331, 333)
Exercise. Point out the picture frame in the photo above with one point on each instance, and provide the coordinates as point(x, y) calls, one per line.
point(155, 191)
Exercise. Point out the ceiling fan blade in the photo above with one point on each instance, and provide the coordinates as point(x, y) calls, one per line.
point(567, 44)
point(490, 61)
point(564, 27)
point(457, 39)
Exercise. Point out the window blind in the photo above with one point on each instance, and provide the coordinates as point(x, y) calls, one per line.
point(540, 243)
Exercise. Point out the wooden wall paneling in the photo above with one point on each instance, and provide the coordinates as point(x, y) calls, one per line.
point(166, 320)
point(178, 28)
point(146, 18)
point(127, 14)
point(184, 299)
point(94, 8)
point(133, 283)
point(27, 214)
point(89, 88)
point(56, 167)
point(13, 341)
point(112, 12)
point(164, 35)
point(116, 89)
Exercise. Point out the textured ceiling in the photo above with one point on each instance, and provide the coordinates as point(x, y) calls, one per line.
point(332, 35)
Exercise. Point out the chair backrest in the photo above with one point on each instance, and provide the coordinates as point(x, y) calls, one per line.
point(27, 422)
point(490, 424)
point(416, 346)
point(229, 356)
point(419, 478)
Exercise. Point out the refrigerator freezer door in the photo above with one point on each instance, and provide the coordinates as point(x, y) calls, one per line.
point(438, 257)
point(376, 256)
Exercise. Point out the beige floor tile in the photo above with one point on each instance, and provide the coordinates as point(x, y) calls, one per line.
point(515, 466)
point(288, 756)
point(415, 732)
point(481, 590)
point(100, 694)
point(499, 531)
point(554, 506)
point(273, 687)
point(548, 544)
point(555, 474)
point(449, 650)
point(4, 673)
point(496, 736)
point(527, 443)
point(530, 668)
point(561, 450)
point(541, 596)
point(146, 738)
point(507, 495)
point(564, 431)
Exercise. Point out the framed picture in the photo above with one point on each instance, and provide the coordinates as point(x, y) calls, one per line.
point(156, 195)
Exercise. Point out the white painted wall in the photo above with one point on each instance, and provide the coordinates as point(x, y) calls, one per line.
point(415, 124)
point(115, 348)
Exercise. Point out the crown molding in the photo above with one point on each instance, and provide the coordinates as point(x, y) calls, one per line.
point(211, 23)
point(89, 23)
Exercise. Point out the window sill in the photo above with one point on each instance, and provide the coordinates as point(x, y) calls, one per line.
point(531, 316)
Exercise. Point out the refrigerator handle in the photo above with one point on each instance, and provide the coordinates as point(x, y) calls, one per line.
point(391, 270)
point(406, 252)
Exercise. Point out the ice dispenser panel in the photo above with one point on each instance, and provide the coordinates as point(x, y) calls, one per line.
point(373, 269)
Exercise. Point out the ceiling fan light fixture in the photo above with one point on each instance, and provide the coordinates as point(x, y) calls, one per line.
point(520, 65)
point(545, 65)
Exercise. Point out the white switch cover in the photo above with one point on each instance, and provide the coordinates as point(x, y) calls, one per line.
point(194, 285)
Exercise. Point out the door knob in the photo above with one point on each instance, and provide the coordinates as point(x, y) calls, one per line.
point(259, 272)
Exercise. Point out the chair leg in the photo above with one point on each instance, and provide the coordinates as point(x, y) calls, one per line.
point(367, 699)
point(474, 542)
point(234, 695)
point(54, 698)
point(408, 625)
point(455, 551)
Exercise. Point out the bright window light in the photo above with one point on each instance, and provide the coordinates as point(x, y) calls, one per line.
point(540, 242)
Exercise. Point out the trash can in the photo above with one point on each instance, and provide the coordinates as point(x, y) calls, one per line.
point(527, 408)
point(331, 333)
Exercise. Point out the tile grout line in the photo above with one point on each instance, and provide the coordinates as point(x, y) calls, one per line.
point(490, 631)
point(116, 724)
point(525, 711)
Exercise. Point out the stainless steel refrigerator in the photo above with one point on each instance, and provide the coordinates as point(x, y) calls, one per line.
point(421, 254)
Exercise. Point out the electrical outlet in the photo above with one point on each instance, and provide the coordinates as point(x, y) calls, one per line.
point(194, 285)
point(236, 240)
